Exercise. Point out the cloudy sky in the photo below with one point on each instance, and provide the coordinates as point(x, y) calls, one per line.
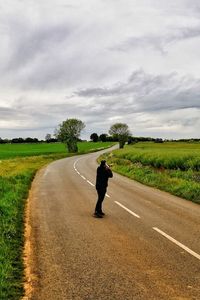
point(102, 61)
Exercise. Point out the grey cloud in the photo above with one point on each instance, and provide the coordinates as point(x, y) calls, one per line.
point(29, 41)
point(25, 116)
point(6, 113)
point(36, 58)
point(193, 7)
point(141, 94)
point(50, 55)
point(190, 121)
point(145, 92)
point(159, 42)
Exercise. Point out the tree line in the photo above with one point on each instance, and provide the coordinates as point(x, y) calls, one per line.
point(69, 132)
point(20, 140)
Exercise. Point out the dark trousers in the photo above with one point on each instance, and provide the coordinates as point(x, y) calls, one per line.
point(101, 194)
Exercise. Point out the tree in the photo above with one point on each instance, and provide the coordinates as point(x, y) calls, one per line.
point(2, 141)
point(30, 140)
point(94, 137)
point(17, 141)
point(120, 131)
point(158, 140)
point(103, 137)
point(48, 137)
point(68, 132)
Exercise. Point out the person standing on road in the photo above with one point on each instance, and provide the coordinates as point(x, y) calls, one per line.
point(103, 173)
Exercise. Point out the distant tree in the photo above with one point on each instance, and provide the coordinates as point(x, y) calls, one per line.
point(28, 140)
point(69, 132)
point(2, 141)
point(94, 137)
point(103, 137)
point(121, 132)
point(52, 140)
point(111, 139)
point(158, 140)
point(5, 141)
point(17, 140)
point(132, 140)
point(35, 140)
point(31, 140)
point(48, 137)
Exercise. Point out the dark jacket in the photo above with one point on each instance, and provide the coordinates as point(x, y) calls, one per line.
point(103, 173)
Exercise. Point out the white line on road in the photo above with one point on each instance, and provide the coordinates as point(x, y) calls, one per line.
point(80, 173)
point(137, 216)
point(177, 243)
point(128, 210)
point(90, 183)
point(84, 176)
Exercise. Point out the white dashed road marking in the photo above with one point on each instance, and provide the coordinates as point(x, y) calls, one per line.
point(128, 210)
point(90, 183)
point(137, 216)
point(80, 173)
point(177, 243)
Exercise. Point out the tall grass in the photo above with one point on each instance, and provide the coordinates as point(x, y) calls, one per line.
point(175, 156)
point(16, 176)
point(13, 191)
point(173, 167)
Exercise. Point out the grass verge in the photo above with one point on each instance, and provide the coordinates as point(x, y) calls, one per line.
point(182, 183)
point(16, 176)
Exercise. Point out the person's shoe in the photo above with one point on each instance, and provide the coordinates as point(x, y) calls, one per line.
point(97, 215)
point(102, 213)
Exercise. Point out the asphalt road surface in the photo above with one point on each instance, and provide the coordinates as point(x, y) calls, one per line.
point(146, 247)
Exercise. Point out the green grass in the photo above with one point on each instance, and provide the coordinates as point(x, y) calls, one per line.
point(23, 150)
point(16, 176)
point(12, 191)
point(172, 167)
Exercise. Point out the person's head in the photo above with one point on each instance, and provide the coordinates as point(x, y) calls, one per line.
point(103, 163)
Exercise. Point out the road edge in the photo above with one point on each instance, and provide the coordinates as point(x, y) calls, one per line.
point(29, 261)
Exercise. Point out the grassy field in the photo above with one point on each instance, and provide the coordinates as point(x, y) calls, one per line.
point(23, 150)
point(173, 167)
point(16, 175)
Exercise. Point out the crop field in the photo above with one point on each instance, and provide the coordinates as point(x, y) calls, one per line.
point(173, 167)
point(17, 150)
point(18, 165)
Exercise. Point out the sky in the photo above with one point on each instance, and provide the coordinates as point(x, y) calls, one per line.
point(100, 61)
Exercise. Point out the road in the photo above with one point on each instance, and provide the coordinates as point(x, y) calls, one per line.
point(146, 247)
